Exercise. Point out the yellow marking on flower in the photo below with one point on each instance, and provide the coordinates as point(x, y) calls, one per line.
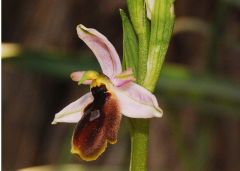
point(77, 151)
point(113, 142)
point(97, 79)
point(100, 80)
point(89, 75)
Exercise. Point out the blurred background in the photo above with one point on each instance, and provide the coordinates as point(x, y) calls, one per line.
point(199, 86)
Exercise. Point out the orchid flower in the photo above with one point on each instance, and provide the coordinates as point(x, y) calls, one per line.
point(113, 93)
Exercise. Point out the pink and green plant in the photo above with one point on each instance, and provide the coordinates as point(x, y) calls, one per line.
point(116, 92)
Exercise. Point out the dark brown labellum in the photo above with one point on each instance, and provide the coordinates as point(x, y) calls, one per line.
point(98, 126)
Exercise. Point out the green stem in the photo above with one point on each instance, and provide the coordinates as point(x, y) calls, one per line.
point(152, 48)
point(138, 127)
point(139, 144)
point(142, 59)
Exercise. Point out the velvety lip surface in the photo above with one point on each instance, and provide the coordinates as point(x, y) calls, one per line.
point(98, 126)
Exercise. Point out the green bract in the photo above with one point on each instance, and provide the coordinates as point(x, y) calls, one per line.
point(137, 11)
point(161, 29)
point(130, 44)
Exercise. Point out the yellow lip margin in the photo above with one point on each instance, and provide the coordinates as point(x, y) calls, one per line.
point(79, 153)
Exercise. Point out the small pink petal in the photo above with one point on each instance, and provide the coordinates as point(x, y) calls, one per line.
point(77, 76)
point(137, 102)
point(119, 82)
point(123, 78)
point(128, 71)
point(103, 50)
point(74, 111)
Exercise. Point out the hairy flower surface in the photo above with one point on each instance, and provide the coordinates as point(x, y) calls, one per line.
point(112, 93)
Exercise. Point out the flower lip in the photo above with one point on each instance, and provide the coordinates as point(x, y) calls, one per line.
point(99, 125)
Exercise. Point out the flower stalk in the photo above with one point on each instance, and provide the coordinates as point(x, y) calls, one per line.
point(139, 144)
point(139, 128)
point(152, 37)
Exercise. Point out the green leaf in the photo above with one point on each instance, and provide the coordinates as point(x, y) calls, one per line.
point(130, 44)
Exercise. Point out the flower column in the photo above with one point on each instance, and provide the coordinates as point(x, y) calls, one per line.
point(146, 39)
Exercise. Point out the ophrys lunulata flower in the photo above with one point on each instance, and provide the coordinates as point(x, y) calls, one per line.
point(113, 93)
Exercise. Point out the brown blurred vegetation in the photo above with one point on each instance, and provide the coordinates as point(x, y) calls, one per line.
point(187, 138)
